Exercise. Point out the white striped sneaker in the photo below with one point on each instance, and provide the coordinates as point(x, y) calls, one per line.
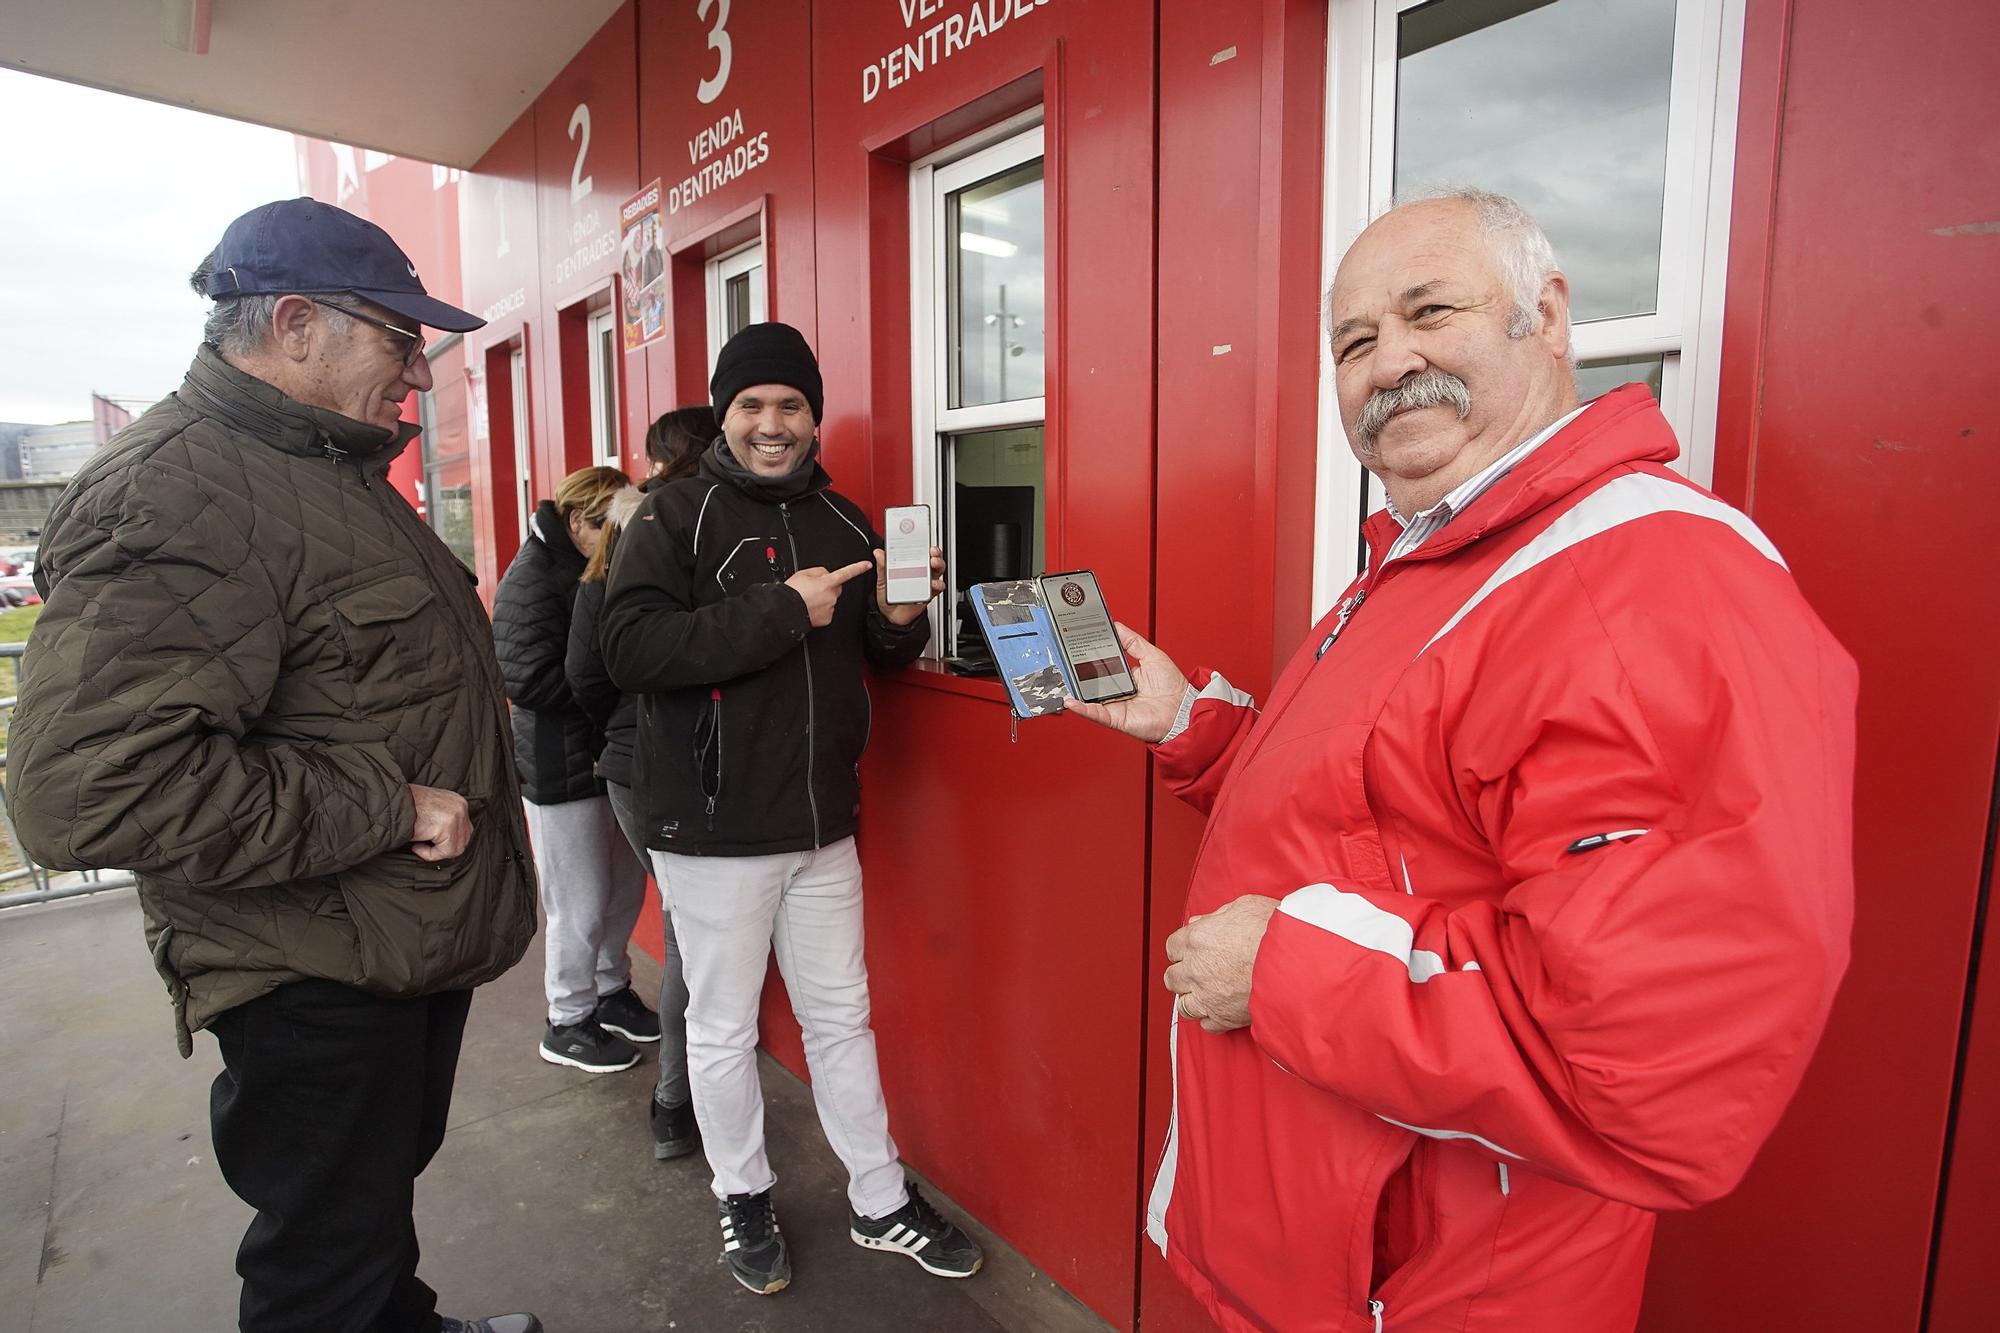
point(920, 1231)
point(752, 1243)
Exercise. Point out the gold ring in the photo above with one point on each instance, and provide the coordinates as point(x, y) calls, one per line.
point(1180, 1007)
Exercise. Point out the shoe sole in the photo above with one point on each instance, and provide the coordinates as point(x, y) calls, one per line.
point(628, 1034)
point(775, 1286)
point(870, 1243)
point(573, 1063)
point(666, 1152)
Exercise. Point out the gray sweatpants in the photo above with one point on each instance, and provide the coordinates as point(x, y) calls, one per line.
point(672, 1089)
point(592, 889)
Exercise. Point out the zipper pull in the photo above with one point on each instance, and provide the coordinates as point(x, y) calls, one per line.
point(711, 814)
point(1375, 1308)
point(1013, 728)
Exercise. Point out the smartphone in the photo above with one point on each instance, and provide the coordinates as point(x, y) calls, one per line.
point(906, 550)
point(1088, 639)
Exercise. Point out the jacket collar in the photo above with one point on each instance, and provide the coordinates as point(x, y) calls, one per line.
point(548, 528)
point(1622, 427)
point(215, 388)
point(718, 464)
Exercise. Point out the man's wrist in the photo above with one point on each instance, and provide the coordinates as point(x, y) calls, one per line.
point(1181, 715)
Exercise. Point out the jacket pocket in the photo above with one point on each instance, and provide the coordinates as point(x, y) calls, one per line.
point(382, 636)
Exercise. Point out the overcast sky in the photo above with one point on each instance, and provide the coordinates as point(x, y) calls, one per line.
point(106, 205)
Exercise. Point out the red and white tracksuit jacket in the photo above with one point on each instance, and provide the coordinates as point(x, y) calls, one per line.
point(1560, 824)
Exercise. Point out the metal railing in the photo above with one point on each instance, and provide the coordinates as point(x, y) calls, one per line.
point(46, 888)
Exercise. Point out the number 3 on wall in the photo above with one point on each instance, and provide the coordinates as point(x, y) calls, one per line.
point(579, 184)
point(718, 41)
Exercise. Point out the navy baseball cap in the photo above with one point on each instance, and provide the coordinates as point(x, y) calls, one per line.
point(305, 246)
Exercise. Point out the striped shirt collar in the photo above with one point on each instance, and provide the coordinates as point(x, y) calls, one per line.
point(1418, 530)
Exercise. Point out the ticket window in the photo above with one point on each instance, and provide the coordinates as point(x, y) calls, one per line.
point(737, 295)
point(1634, 197)
point(445, 495)
point(980, 338)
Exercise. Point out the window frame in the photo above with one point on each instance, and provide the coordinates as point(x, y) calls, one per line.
point(1686, 326)
point(717, 273)
point(1001, 148)
point(524, 470)
point(602, 352)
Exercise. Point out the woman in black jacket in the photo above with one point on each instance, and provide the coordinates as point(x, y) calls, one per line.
point(592, 885)
point(675, 445)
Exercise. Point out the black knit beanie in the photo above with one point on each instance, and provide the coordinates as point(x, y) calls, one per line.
point(766, 354)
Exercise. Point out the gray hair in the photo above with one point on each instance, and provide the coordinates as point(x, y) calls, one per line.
point(1517, 243)
point(238, 325)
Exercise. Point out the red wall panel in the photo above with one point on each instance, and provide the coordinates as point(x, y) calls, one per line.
point(500, 253)
point(1006, 881)
point(1858, 416)
point(586, 165)
point(726, 125)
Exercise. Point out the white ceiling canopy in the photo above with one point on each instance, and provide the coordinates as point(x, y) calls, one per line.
point(438, 80)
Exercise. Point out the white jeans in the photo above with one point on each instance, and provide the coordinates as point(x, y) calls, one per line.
point(592, 890)
point(729, 913)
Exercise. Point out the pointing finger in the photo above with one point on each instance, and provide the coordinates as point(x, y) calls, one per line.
point(842, 575)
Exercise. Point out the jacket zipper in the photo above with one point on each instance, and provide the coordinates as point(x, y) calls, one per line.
point(715, 699)
point(805, 645)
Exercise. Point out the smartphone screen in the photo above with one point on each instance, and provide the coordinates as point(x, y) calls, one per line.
point(906, 549)
point(1089, 641)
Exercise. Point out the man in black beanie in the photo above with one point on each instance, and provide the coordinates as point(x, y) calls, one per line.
point(737, 607)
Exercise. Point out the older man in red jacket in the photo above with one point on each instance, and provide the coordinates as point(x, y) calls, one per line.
point(1525, 896)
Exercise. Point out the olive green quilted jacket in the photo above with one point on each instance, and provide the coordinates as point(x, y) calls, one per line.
point(251, 646)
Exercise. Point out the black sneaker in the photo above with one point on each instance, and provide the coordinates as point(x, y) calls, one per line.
point(499, 1323)
point(626, 1014)
point(920, 1231)
point(588, 1047)
point(752, 1244)
point(675, 1133)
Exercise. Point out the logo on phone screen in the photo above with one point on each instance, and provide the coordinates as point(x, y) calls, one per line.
point(907, 526)
point(1073, 594)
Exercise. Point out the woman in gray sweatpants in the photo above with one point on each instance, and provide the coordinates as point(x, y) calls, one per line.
point(674, 444)
point(592, 885)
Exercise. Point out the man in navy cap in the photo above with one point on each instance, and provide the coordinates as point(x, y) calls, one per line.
point(261, 683)
point(743, 604)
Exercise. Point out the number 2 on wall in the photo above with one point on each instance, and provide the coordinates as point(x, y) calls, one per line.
point(718, 41)
point(579, 184)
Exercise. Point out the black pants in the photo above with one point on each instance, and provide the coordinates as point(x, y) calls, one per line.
point(331, 1103)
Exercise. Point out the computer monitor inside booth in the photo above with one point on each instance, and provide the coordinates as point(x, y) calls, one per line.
point(992, 537)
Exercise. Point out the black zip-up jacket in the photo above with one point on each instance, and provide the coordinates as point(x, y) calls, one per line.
point(555, 741)
point(751, 722)
point(615, 712)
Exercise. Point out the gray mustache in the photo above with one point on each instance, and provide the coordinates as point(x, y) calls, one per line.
point(1428, 388)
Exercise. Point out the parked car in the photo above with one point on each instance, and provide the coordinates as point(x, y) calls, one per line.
point(19, 590)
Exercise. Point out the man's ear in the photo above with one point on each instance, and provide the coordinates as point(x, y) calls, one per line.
point(292, 323)
point(1553, 307)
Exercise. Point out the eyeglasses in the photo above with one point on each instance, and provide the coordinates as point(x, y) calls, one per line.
point(415, 337)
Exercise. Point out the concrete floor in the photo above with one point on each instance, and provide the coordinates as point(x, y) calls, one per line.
point(545, 1196)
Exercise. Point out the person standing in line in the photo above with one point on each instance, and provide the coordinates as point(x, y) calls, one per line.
point(737, 609)
point(674, 446)
point(264, 685)
point(592, 885)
